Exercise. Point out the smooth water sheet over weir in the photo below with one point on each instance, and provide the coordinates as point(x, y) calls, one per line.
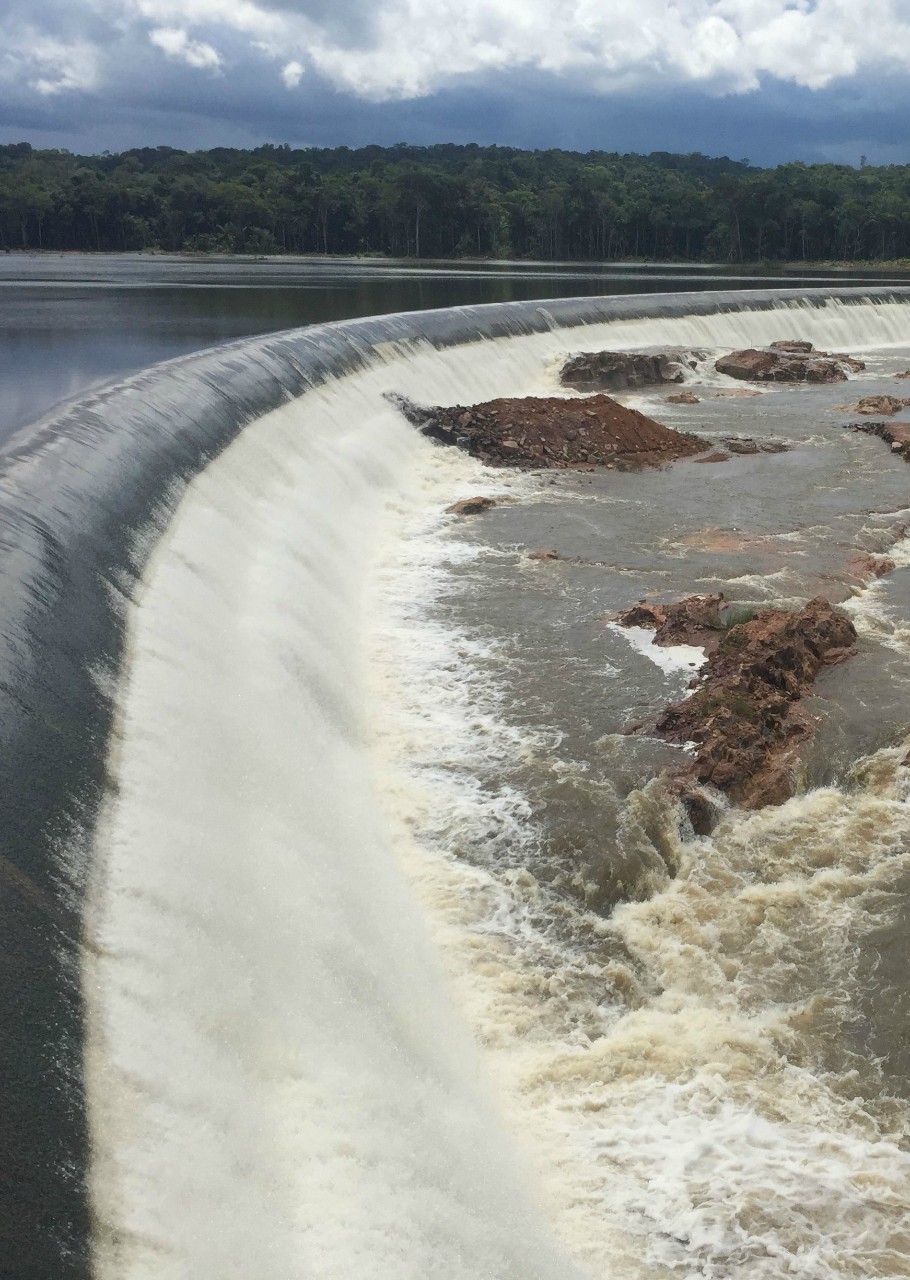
point(239, 717)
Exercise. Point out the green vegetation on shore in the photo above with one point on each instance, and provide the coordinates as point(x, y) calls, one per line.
point(451, 201)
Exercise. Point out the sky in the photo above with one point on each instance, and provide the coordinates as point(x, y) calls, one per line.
point(766, 80)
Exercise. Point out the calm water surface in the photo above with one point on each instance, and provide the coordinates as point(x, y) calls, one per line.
point(70, 322)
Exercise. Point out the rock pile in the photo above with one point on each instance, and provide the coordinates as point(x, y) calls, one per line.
point(557, 433)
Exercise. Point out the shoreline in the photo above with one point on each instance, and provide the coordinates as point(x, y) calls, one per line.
point(769, 269)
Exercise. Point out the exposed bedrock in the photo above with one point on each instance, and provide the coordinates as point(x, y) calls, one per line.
point(625, 370)
point(790, 360)
point(695, 620)
point(743, 721)
point(533, 432)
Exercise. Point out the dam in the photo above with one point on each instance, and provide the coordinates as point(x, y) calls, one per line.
point(336, 941)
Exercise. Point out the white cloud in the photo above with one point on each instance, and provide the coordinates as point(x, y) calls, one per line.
point(397, 49)
point(412, 47)
point(50, 65)
point(292, 74)
point(175, 42)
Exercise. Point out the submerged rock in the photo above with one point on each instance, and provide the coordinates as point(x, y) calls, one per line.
point(471, 506)
point(747, 445)
point(544, 553)
point(743, 719)
point(534, 432)
point(867, 565)
point(896, 434)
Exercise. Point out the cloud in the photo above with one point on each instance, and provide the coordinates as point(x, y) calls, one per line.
point(376, 65)
point(176, 44)
point(50, 65)
point(292, 74)
point(412, 48)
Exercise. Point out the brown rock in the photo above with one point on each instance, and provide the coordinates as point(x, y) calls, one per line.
point(792, 344)
point(683, 397)
point(746, 445)
point(544, 553)
point(753, 365)
point(695, 620)
point(471, 506)
point(620, 370)
point(849, 362)
point(905, 374)
point(744, 717)
point(700, 810)
point(866, 566)
point(886, 405)
point(896, 434)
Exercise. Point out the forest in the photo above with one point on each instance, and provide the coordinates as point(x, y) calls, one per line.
point(451, 201)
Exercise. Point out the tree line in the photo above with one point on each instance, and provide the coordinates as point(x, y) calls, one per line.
point(450, 201)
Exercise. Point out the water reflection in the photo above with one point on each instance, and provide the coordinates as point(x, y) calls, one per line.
point(70, 322)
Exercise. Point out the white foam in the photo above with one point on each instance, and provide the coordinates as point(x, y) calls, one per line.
point(278, 1084)
point(671, 658)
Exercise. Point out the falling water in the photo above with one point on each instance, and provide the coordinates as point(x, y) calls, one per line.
point(232, 712)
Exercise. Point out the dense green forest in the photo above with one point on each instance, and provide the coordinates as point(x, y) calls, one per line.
point(452, 201)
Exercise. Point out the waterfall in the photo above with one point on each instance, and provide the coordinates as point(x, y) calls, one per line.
point(227, 1049)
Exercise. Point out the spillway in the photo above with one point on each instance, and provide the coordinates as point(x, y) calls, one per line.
point(230, 1047)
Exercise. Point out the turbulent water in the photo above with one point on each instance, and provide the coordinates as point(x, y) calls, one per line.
point(393, 961)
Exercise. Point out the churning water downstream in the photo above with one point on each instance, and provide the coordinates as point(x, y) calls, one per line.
point(361, 941)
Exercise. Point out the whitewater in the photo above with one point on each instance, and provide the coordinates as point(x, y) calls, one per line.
point(335, 1021)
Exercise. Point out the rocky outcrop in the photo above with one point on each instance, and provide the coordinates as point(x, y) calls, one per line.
point(624, 370)
point(777, 364)
point(695, 620)
point(886, 406)
point(558, 433)
point(896, 434)
point(743, 721)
